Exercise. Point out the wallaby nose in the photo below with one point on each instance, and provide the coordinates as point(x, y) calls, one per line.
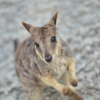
point(48, 59)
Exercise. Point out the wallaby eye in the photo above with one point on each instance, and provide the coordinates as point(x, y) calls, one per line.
point(37, 45)
point(53, 39)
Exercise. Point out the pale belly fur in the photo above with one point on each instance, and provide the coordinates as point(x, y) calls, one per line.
point(59, 67)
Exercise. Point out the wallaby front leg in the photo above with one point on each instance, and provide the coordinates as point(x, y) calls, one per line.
point(50, 81)
point(72, 74)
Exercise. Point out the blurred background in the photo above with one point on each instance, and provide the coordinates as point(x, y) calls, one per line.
point(78, 24)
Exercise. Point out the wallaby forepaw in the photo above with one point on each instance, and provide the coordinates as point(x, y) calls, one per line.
point(74, 82)
point(76, 96)
point(66, 91)
point(79, 98)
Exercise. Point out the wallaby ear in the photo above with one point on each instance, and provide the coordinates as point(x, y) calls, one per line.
point(54, 19)
point(28, 27)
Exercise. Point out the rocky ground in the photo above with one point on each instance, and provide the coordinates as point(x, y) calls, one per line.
point(79, 25)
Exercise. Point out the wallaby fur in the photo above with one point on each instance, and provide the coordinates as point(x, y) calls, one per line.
point(42, 59)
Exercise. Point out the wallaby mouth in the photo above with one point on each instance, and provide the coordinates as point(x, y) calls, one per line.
point(48, 59)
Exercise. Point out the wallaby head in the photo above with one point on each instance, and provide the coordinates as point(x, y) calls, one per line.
point(46, 40)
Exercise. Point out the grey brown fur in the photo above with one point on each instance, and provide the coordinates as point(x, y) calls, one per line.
point(41, 66)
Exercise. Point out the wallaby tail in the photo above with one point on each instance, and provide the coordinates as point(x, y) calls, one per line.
point(15, 44)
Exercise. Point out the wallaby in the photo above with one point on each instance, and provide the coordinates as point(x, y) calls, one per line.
point(44, 58)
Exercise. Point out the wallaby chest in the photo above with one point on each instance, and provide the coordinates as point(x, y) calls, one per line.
point(59, 66)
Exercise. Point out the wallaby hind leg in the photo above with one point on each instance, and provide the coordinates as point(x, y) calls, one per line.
point(33, 92)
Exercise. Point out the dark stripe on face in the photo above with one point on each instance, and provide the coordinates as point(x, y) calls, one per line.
point(37, 70)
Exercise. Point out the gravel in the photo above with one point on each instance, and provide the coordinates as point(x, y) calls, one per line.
point(78, 24)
